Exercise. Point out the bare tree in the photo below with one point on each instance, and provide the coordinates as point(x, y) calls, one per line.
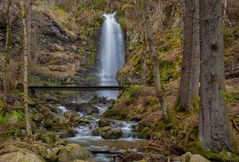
point(189, 84)
point(8, 47)
point(25, 56)
point(155, 62)
point(214, 128)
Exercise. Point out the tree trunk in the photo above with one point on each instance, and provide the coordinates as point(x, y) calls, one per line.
point(214, 128)
point(189, 83)
point(155, 65)
point(8, 47)
point(226, 19)
point(25, 57)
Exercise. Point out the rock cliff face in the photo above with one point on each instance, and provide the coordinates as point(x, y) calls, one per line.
point(55, 46)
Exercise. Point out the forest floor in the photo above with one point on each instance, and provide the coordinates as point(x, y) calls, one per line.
point(180, 133)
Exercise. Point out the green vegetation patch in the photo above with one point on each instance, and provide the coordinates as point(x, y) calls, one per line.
point(231, 97)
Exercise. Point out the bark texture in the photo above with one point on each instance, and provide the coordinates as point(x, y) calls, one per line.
point(155, 64)
point(214, 128)
point(8, 47)
point(189, 83)
point(25, 66)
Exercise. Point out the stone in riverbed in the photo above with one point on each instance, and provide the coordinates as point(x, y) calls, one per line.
point(96, 132)
point(103, 122)
point(85, 108)
point(68, 133)
point(110, 133)
point(72, 152)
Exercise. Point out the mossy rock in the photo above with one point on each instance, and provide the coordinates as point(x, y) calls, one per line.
point(46, 153)
point(72, 152)
point(189, 157)
point(11, 153)
point(45, 136)
point(110, 133)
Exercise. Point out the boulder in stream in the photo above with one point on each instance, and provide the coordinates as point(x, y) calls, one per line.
point(103, 122)
point(72, 152)
point(110, 133)
point(85, 108)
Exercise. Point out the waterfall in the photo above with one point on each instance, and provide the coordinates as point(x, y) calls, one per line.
point(111, 55)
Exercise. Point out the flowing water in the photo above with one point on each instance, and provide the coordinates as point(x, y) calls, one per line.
point(104, 149)
point(111, 56)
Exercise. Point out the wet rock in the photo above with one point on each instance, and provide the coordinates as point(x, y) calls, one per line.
point(96, 132)
point(110, 133)
point(103, 122)
point(189, 157)
point(70, 114)
point(72, 152)
point(68, 133)
point(75, 119)
point(81, 121)
point(85, 108)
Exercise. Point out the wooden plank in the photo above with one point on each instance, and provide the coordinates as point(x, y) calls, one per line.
point(75, 88)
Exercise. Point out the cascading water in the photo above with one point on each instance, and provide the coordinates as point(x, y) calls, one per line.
point(111, 55)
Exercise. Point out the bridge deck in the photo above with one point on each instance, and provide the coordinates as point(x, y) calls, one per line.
point(75, 88)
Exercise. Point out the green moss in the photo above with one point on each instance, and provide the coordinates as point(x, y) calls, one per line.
point(134, 116)
point(114, 113)
point(231, 97)
point(132, 90)
point(3, 119)
point(168, 71)
point(196, 103)
point(61, 10)
point(18, 114)
point(228, 36)
point(177, 105)
point(145, 133)
point(2, 104)
point(221, 156)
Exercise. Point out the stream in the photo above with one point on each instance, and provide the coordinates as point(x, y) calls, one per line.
point(104, 150)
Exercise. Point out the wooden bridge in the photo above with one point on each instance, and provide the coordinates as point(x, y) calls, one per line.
point(75, 88)
point(69, 84)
